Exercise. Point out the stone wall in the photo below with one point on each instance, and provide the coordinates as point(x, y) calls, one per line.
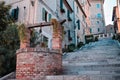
point(33, 63)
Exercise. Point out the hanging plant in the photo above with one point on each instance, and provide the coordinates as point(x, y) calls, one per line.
point(22, 32)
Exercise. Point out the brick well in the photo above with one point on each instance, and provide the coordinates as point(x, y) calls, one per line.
point(33, 63)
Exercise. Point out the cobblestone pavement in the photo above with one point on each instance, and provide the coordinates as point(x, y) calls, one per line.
point(99, 59)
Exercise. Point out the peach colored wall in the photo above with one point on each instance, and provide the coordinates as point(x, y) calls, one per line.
point(87, 11)
point(118, 19)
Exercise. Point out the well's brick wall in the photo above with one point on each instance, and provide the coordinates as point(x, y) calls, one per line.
point(33, 63)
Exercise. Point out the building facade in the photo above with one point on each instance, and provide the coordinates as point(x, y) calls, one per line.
point(110, 29)
point(97, 17)
point(80, 23)
point(116, 17)
point(80, 19)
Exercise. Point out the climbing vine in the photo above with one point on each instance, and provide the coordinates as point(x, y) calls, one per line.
point(55, 25)
point(22, 32)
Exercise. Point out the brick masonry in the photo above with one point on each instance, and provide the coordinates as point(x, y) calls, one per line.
point(26, 42)
point(34, 64)
point(57, 35)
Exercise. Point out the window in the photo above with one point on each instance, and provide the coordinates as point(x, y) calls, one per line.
point(68, 13)
point(98, 5)
point(69, 37)
point(68, 16)
point(15, 13)
point(98, 30)
point(97, 22)
point(78, 23)
point(90, 30)
point(99, 15)
point(44, 14)
point(61, 4)
point(50, 16)
point(111, 28)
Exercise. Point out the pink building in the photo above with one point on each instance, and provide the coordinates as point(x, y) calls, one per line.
point(116, 17)
point(87, 11)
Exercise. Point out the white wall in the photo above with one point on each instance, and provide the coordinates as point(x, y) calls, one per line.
point(79, 16)
point(94, 20)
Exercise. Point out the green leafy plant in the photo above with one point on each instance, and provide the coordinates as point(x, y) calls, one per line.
point(80, 44)
point(9, 41)
point(71, 47)
point(118, 37)
point(96, 38)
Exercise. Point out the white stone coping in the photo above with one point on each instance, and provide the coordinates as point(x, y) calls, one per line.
point(6, 76)
point(46, 50)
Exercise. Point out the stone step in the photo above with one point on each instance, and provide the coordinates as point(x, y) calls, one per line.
point(91, 73)
point(74, 68)
point(91, 64)
point(83, 77)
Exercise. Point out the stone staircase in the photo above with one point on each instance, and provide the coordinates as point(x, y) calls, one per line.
point(95, 61)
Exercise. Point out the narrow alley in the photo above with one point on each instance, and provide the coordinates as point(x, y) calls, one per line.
point(99, 61)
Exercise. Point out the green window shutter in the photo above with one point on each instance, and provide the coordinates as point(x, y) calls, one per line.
point(98, 30)
point(61, 4)
point(43, 13)
point(13, 13)
point(50, 16)
point(78, 22)
point(16, 13)
point(68, 14)
point(90, 30)
point(68, 34)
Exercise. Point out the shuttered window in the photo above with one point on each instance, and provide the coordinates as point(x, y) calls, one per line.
point(78, 23)
point(68, 34)
point(43, 14)
point(98, 30)
point(50, 16)
point(99, 15)
point(68, 13)
point(61, 4)
point(90, 30)
point(15, 13)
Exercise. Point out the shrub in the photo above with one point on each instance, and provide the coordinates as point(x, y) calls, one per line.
point(118, 37)
point(71, 47)
point(80, 44)
point(96, 38)
point(113, 37)
point(89, 38)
